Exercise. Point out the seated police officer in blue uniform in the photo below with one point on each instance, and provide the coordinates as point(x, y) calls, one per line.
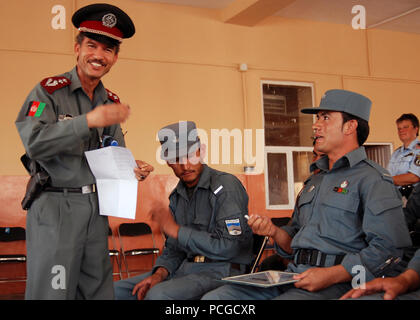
point(348, 218)
point(207, 235)
point(404, 164)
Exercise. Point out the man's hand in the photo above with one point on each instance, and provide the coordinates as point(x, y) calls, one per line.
point(265, 227)
point(144, 286)
point(107, 115)
point(143, 170)
point(315, 279)
point(262, 225)
point(393, 287)
point(165, 219)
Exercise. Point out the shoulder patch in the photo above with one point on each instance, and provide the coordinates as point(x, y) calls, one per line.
point(112, 96)
point(381, 170)
point(417, 161)
point(52, 84)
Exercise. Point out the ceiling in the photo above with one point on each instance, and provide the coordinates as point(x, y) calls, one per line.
point(396, 15)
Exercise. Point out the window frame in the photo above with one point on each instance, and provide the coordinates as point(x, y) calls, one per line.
point(288, 150)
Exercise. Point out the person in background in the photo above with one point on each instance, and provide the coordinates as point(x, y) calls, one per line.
point(404, 164)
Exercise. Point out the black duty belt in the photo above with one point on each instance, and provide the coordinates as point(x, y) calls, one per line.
point(91, 188)
point(204, 259)
point(317, 258)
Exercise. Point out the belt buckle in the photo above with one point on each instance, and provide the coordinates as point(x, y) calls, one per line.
point(199, 259)
point(88, 189)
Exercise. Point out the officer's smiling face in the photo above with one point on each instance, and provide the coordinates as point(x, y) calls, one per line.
point(94, 59)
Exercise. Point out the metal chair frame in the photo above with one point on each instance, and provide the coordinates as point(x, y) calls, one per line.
point(12, 234)
point(133, 230)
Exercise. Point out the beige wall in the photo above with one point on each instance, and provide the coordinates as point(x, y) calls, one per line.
point(182, 64)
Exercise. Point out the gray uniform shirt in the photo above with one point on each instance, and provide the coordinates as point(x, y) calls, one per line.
point(212, 223)
point(58, 144)
point(415, 262)
point(352, 210)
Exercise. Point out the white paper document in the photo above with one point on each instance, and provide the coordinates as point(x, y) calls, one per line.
point(113, 168)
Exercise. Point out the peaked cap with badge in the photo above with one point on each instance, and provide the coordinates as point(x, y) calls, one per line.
point(104, 19)
point(52, 124)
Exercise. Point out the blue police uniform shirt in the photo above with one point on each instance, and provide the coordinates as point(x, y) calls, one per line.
point(352, 210)
point(212, 223)
point(404, 160)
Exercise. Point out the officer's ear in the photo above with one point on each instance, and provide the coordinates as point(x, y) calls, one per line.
point(76, 49)
point(350, 127)
point(203, 151)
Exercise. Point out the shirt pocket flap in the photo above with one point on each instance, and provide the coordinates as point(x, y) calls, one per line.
point(306, 197)
point(377, 207)
point(342, 201)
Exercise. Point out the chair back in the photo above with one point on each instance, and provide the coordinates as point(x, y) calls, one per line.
point(8, 234)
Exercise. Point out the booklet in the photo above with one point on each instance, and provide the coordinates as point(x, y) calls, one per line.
point(265, 279)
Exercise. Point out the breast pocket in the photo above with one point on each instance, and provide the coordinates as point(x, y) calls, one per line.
point(339, 217)
point(304, 205)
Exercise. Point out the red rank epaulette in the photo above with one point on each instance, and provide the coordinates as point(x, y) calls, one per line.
point(54, 83)
point(112, 96)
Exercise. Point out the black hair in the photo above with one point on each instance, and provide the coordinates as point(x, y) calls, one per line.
point(362, 127)
point(410, 117)
point(109, 42)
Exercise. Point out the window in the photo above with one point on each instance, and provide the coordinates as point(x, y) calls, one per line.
point(379, 152)
point(288, 142)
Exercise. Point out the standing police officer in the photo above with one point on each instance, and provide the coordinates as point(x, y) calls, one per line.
point(404, 164)
point(62, 117)
point(207, 235)
point(348, 215)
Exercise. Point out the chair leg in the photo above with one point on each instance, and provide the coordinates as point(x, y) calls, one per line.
point(126, 265)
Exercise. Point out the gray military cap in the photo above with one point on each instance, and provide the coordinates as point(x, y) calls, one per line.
point(345, 101)
point(178, 140)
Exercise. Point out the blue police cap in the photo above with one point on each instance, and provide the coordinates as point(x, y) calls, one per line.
point(178, 140)
point(345, 101)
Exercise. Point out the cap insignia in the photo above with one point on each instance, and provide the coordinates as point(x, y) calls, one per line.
point(109, 20)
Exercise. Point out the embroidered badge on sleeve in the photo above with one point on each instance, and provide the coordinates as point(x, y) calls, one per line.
point(36, 108)
point(234, 227)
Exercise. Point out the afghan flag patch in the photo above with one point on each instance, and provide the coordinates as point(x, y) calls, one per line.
point(36, 108)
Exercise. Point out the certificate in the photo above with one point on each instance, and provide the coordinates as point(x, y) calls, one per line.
point(113, 168)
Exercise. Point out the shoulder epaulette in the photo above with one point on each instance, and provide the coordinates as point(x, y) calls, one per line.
point(112, 96)
point(381, 170)
point(52, 84)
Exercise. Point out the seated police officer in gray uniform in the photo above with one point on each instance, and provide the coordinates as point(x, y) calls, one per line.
point(349, 214)
point(207, 235)
point(61, 118)
point(405, 286)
